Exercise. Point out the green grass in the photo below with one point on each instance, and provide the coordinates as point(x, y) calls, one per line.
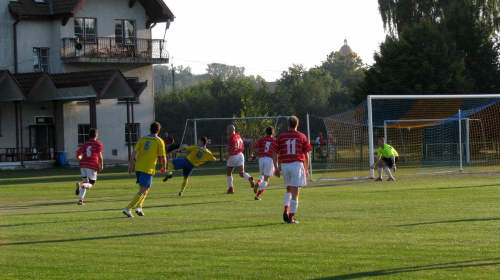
point(419, 227)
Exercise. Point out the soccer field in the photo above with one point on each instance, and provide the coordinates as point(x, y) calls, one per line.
point(418, 227)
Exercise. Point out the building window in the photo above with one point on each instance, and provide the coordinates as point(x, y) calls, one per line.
point(85, 30)
point(83, 133)
point(41, 59)
point(134, 132)
point(125, 32)
point(131, 80)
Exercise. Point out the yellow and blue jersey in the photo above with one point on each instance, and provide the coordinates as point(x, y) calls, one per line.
point(148, 149)
point(199, 155)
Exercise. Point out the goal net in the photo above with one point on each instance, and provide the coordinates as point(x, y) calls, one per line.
point(432, 134)
point(215, 129)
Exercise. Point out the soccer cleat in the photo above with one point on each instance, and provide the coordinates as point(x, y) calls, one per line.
point(257, 198)
point(256, 187)
point(230, 191)
point(285, 216)
point(292, 222)
point(81, 202)
point(252, 183)
point(127, 213)
point(390, 179)
point(168, 176)
point(180, 193)
point(139, 211)
point(378, 179)
point(78, 186)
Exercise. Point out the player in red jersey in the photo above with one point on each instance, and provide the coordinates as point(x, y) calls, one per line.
point(293, 148)
point(265, 147)
point(235, 158)
point(90, 157)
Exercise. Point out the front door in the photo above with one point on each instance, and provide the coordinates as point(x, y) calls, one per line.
point(42, 139)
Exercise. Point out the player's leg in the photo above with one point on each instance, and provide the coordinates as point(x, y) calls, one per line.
point(232, 162)
point(241, 171)
point(285, 169)
point(144, 180)
point(184, 185)
point(229, 172)
point(186, 172)
point(294, 204)
point(387, 163)
point(298, 178)
point(89, 177)
point(266, 168)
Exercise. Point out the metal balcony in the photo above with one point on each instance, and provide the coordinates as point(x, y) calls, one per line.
point(113, 50)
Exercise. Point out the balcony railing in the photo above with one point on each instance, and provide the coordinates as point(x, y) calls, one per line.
point(105, 50)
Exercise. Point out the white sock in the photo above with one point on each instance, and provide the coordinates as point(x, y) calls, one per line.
point(261, 178)
point(230, 181)
point(288, 197)
point(294, 204)
point(263, 185)
point(86, 185)
point(387, 171)
point(246, 175)
point(82, 192)
point(379, 172)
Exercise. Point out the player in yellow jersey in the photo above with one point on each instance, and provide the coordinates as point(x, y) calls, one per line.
point(388, 157)
point(198, 155)
point(146, 152)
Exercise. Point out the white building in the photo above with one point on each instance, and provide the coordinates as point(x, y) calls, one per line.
point(69, 65)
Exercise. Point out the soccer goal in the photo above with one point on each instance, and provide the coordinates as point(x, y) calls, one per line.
point(215, 129)
point(432, 134)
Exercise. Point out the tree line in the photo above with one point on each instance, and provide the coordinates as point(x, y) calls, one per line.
point(431, 47)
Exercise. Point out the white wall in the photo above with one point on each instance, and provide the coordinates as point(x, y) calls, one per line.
point(111, 115)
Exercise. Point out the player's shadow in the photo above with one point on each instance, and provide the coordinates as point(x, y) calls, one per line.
point(58, 222)
point(387, 272)
point(452, 221)
point(80, 239)
point(469, 187)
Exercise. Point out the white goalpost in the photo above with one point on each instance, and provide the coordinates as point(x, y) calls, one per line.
point(432, 134)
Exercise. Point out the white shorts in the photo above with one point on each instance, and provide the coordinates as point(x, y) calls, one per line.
point(89, 173)
point(236, 160)
point(294, 174)
point(266, 166)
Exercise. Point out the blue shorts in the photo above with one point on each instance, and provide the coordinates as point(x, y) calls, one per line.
point(185, 165)
point(144, 179)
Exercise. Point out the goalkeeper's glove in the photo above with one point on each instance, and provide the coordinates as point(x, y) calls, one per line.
point(373, 166)
point(394, 168)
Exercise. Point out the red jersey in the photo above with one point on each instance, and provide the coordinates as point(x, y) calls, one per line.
point(266, 145)
point(168, 140)
point(90, 151)
point(292, 146)
point(236, 143)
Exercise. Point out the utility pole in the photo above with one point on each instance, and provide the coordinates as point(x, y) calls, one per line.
point(173, 77)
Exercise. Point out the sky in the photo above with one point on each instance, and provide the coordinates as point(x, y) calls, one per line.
point(266, 37)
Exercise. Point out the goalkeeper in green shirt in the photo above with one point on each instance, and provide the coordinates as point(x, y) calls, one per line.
point(388, 157)
point(197, 156)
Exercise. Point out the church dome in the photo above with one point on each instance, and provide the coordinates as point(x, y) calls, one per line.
point(345, 49)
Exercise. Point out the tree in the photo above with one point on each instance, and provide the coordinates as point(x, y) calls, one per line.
point(423, 60)
point(473, 25)
point(347, 68)
point(301, 91)
point(225, 71)
point(347, 71)
point(397, 14)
